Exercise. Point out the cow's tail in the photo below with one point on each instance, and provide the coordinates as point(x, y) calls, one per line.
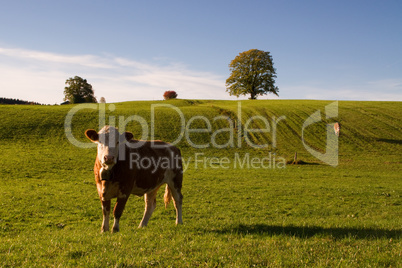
point(168, 196)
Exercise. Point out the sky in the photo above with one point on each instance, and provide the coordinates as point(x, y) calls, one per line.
point(137, 50)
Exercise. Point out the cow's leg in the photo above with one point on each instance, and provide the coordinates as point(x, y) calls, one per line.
point(117, 212)
point(178, 201)
point(106, 213)
point(150, 205)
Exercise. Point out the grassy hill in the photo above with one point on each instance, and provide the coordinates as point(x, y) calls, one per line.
point(292, 215)
point(368, 128)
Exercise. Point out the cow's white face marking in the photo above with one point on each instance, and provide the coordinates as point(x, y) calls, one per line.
point(108, 140)
point(108, 147)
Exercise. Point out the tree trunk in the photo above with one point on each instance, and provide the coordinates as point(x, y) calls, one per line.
point(253, 95)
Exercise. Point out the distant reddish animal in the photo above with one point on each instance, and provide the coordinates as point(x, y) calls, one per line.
point(124, 166)
point(337, 128)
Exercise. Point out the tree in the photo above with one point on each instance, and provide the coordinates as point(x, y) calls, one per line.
point(170, 95)
point(102, 100)
point(78, 91)
point(252, 72)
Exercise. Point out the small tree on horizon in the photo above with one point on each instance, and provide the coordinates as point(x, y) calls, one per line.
point(79, 91)
point(170, 95)
point(252, 72)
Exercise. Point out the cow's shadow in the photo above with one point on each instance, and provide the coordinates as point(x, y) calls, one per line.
point(310, 231)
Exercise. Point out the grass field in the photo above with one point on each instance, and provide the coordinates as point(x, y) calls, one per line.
point(312, 215)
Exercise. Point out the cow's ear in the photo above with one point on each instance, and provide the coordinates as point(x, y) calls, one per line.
point(92, 135)
point(128, 135)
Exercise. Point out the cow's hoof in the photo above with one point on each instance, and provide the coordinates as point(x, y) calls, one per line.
point(115, 230)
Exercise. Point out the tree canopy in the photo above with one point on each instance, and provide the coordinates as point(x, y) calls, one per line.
point(252, 72)
point(170, 94)
point(78, 91)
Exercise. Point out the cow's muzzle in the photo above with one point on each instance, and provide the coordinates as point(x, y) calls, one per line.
point(108, 160)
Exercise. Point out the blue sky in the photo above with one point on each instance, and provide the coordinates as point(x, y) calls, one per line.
point(136, 50)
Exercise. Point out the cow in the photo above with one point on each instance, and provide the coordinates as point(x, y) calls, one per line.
point(337, 128)
point(125, 166)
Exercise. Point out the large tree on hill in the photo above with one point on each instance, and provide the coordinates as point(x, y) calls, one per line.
point(252, 72)
point(78, 91)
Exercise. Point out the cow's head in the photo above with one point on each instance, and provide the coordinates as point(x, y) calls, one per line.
point(108, 140)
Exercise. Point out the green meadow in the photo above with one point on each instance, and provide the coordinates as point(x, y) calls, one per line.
point(244, 204)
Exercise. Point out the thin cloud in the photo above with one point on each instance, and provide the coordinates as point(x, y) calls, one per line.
point(41, 75)
point(31, 55)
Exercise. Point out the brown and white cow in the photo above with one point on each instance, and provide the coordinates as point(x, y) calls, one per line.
point(337, 128)
point(124, 166)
